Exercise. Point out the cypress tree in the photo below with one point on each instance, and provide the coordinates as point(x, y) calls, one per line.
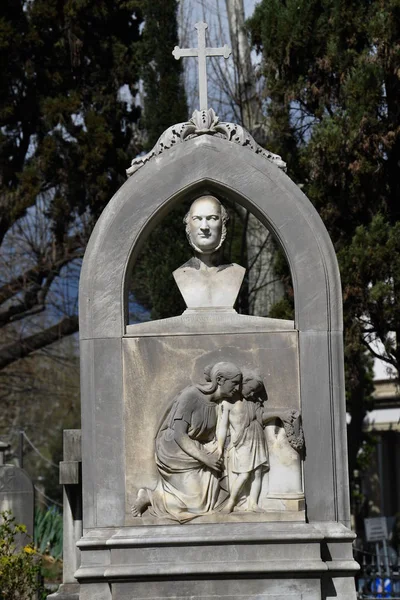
point(164, 105)
point(165, 100)
point(68, 72)
point(332, 69)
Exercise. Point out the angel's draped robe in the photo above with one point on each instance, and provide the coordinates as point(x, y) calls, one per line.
point(186, 487)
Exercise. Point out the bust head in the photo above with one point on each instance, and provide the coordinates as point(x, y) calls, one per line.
point(206, 224)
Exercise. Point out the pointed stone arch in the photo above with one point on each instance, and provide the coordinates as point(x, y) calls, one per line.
point(229, 170)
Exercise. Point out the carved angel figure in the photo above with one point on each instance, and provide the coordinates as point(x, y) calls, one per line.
point(186, 454)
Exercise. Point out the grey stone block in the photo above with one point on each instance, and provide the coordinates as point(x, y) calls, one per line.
point(70, 477)
point(17, 496)
point(72, 450)
point(66, 591)
point(70, 472)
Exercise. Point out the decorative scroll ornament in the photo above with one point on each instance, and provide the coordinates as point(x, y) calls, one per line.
point(204, 122)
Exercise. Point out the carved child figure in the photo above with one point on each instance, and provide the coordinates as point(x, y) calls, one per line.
point(247, 453)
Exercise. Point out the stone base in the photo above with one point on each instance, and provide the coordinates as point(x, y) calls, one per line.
point(276, 510)
point(229, 589)
point(66, 591)
point(289, 505)
point(206, 321)
point(264, 561)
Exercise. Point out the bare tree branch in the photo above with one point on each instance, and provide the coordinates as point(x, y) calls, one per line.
point(25, 347)
point(386, 359)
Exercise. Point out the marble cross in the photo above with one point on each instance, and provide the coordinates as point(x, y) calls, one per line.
point(201, 52)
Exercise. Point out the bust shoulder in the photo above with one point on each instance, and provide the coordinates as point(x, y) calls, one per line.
point(209, 287)
point(195, 263)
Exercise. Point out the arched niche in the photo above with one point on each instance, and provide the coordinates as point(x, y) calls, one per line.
point(229, 170)
point(244, 177)
point(249, 242)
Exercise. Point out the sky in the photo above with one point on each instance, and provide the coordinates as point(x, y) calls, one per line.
point(214, 13)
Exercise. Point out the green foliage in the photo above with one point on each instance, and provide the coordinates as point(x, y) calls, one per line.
point(164, 104)
point(19, 566)
point(165, 101)
point(332, 79)
point(63, 68)
point(68, 130)
point(152, 283)
point(48, 532)
point(283, 309)
point(69, 127)
point(374, 256)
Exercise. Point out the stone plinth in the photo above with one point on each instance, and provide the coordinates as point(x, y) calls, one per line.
point(71, 479)
point(215, 561)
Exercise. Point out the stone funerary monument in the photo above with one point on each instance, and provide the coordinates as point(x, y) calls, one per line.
point(213, 444)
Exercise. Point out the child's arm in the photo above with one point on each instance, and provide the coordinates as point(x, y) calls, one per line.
point(222, 425)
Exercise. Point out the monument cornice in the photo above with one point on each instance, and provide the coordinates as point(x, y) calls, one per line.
point(204, 122)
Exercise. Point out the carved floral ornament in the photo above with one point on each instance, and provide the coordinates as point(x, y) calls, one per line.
point(204, 122)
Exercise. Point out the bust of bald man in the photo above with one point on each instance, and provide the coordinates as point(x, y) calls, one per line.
point(203, 281)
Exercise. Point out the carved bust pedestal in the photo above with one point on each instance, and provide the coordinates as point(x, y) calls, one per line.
point(209, 288)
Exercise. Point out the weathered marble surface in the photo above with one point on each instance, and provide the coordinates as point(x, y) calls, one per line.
point(208, 322)
point(204, 122)
point(204, 282)
point(285, 475)
point(188, 457)
point(205, 288)
point(157, 369)
point(202, 52)
point(71, 479)
point(222, 561)
point(208, 164)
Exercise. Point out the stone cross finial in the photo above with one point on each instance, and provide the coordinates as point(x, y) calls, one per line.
point(202, 52)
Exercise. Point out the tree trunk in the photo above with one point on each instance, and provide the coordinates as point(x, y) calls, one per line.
point(246, 93)
point(263, 289)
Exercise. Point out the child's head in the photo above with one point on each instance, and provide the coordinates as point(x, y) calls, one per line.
point(252, 385)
